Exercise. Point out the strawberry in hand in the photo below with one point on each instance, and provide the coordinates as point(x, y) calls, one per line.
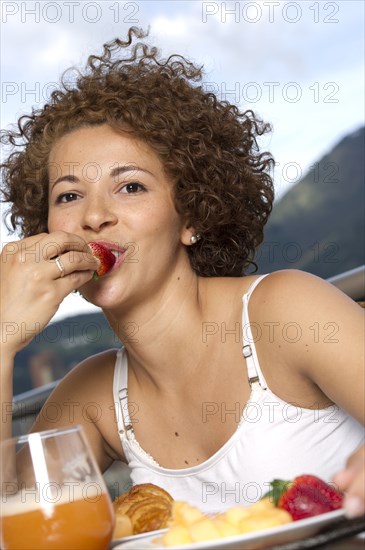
point(305, 496)
point(105, 256)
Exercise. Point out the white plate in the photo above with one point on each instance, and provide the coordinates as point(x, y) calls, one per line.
point(289, 532)
point(116, 543)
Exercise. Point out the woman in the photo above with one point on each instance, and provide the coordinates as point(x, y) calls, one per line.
point(210, 398)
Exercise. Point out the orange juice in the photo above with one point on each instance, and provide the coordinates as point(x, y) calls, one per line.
point(80, 524)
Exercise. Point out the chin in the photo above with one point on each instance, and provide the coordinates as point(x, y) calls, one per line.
point(100, 295)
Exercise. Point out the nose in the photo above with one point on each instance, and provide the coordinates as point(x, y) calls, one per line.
point(97, 214)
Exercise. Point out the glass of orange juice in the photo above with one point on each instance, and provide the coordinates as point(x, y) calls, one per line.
point(53, 495)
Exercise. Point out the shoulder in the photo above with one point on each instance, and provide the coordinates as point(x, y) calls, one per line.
point(92, 373)
point(313, 328)
point(88, 381)
point(84, 396)
point(314, 310)
point(289, 292)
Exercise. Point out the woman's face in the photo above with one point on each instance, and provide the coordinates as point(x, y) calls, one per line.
point(110, 187)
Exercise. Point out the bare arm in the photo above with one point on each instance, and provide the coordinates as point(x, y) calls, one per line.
point(320, 334)
point(85, 397)
point(31, 291)
point(327, 354)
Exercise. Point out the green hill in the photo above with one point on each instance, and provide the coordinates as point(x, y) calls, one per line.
point(318, 225)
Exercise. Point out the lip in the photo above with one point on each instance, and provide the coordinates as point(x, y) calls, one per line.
point(113, 247)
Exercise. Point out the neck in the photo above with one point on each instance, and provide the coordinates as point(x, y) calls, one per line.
point(162, 335)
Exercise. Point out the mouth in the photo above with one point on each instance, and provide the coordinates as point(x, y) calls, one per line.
point(119, 258)
point(117, 251)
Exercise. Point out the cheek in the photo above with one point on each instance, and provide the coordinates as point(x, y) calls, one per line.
point(51, 222)
point(155, 220)
point(58, 222)
point(165, 228)
point(165, 219)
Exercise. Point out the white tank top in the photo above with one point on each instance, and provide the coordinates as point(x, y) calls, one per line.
point(273, 439)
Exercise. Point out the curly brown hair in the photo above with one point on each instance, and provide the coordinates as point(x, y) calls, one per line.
point(222, 182)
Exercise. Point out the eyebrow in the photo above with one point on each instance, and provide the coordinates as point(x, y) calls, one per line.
point(115, 172)
point(128, 168)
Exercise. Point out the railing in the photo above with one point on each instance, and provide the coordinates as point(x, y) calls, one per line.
point(27, 405)
point(351, 282)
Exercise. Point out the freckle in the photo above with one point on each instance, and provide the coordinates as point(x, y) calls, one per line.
point(178, 278)
point(177, 435)
point(186, 462)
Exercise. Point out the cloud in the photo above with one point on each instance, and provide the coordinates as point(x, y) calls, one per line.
point(258, 54)
point(255, 53)
point(172, 28)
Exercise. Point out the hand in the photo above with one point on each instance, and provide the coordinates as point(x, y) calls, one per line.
point(351, 480)
point(33, 285)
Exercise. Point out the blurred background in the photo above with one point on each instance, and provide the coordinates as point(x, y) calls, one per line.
point(298, 65)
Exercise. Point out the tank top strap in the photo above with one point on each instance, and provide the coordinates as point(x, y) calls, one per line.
point(254, 372)
point(120, 392)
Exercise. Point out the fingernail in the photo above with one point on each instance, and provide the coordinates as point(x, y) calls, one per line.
point(354, 507)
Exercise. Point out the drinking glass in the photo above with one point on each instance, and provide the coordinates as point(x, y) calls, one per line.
point(53, 495)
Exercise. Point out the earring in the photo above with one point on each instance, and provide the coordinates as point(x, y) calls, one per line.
point(194, 239)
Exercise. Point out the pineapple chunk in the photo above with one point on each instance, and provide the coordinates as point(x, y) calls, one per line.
point(185, 514)
point(189, 524)
point(236, 514)
point(225, 528)
point(263, 520)
point(176, 535)
point(266, 504)
point(204, 529)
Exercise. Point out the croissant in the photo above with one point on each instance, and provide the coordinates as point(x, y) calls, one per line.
point(145, 507)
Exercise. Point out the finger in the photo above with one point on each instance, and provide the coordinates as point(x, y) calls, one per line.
point(354, 502)
point(351, 481)
point(356, 460)
point(57, 243)
point(44, 246)
point(343, 479)
point(73, 261)
point(73, 281)
point(24, 246)
point(61, 269)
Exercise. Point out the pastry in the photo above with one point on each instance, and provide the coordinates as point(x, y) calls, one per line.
point(147, 507)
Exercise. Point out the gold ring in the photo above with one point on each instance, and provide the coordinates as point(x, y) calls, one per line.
point(59, 264)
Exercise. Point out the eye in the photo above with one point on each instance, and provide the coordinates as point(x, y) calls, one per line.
point(133, 187)
point(66, 197)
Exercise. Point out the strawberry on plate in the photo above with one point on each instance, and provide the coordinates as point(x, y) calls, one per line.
point(305, 496)
point(106, 257)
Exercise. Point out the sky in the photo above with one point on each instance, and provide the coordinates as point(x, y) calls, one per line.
point(298, 65)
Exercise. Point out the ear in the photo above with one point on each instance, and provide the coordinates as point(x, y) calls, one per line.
point(186, 233)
